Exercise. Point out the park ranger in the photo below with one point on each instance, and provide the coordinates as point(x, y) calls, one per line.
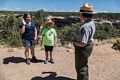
point(83, 41)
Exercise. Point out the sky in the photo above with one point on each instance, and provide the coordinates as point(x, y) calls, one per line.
point(59, 5)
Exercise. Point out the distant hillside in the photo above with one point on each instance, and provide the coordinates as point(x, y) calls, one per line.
point(108, 16)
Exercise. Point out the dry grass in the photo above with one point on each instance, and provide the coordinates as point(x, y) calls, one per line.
point(104, 64)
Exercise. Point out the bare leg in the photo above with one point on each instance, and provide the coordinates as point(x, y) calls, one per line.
point(26, 53)
point(32, 48)
point(50, 54)
point(51, 58)
point(46, 54)
point(32, 51)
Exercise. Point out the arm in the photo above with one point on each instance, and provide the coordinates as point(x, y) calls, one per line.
point(21, 29)
point(81, 37)
point(41, 43)
point(35, 34)
point(55, 40)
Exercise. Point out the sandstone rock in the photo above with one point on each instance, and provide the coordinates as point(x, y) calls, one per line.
point(69, 46)
point(12, 50)
point(70, 50)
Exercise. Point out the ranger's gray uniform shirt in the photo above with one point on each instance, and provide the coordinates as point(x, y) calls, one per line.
point(85, 33)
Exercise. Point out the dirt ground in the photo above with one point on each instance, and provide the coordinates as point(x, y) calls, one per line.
point(104, 64)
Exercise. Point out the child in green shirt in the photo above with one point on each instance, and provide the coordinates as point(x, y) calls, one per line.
point(49, 39)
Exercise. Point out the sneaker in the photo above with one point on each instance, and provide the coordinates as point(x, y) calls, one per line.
point(28, 61)
point(52, 61)
point(46, 61)
point(34, 59)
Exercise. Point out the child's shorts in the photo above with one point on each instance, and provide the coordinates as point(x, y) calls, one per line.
point(48, 48)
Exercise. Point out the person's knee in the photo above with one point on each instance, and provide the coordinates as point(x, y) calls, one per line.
point(26, 49)
point(32, 47)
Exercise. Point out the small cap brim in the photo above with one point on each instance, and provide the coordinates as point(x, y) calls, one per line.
point(48, 23)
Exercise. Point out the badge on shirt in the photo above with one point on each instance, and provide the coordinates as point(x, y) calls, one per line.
point(82, 30)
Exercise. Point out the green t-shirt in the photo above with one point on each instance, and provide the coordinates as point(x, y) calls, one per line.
point(49, 36)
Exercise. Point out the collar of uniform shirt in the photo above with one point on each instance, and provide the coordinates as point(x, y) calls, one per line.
point(87, 20)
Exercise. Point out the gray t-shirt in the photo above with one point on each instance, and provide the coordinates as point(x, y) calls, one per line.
point(86, 32)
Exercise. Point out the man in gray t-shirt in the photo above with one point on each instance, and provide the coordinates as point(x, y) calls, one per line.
point(83, 41)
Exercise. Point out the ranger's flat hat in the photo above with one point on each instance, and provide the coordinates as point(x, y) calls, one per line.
point(87, 8)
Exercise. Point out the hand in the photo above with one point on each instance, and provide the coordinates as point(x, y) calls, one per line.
point(55, 45)
point(41, 46)
point(23, 21)
point(35, 38)
point(35, 42)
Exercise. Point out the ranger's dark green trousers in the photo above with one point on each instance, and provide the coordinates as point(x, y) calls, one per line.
point(81, 61)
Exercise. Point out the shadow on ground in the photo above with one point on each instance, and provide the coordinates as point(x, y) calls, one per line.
point(17, 60)
point(52, 76)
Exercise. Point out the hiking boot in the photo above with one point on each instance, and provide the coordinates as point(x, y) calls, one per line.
point(34, 59)
point(28, 61)
point(52, 61)
point(46, 61)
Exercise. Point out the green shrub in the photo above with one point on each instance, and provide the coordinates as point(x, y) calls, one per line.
point(66, 34)
point(9, 30)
